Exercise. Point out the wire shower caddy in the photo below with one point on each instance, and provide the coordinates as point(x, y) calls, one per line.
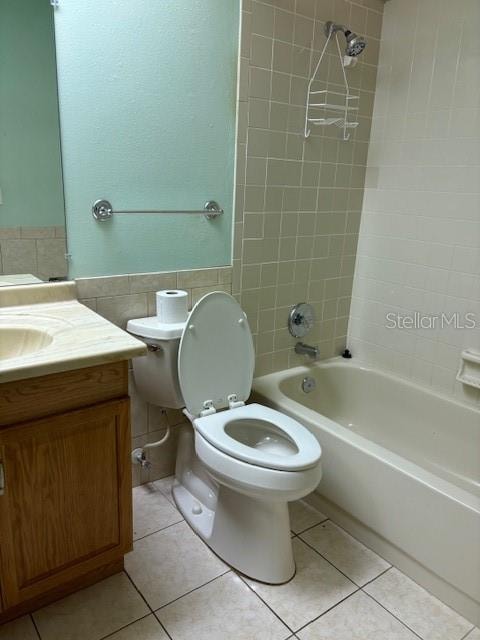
point(325, 107)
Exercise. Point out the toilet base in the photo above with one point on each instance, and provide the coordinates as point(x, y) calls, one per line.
point(253, 536)
point(249, 534)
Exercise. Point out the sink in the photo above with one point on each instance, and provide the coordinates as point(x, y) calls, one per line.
point(45, 330)
point(19, 341)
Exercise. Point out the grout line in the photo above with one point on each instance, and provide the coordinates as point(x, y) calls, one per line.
point(392, 614)
point(330, 563)
point(163, 627)
point(468, 633)
point(243, 579)
point(380, 574)
point(35, 625)
point(138, 591)
point(161, 529)
point(126, 626)
point(294, 12)
point(327, 610)
point(360, 586)
point(191, 591)
point(299, 533)
point(169, 496)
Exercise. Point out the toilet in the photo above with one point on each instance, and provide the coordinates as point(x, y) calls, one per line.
point(240, 465)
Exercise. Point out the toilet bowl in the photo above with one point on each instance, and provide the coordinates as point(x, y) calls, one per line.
point(237, 465)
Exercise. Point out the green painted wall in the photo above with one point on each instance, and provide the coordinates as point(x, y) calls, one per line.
point(30, 165)
point(147, 108)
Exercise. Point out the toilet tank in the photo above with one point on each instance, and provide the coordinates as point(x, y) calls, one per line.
point(156, 374)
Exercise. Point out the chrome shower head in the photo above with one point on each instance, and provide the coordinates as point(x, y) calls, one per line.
point(355, 44)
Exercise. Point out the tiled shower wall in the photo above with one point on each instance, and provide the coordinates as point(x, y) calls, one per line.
point(298, 201)
point(419, 248)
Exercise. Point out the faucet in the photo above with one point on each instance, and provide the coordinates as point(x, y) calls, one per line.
point(306, 349)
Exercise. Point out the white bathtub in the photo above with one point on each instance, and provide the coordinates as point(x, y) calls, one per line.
point(401, 469)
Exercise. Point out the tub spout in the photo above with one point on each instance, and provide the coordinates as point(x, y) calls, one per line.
point(306, 349)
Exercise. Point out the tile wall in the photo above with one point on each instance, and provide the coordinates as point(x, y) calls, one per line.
point(419, 248)
point(39, 251)
point(121, 298)
point(298, 202)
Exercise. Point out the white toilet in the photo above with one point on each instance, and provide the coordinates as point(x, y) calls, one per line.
point(241, 464)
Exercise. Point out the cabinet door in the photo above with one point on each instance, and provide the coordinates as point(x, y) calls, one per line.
point(66, 505)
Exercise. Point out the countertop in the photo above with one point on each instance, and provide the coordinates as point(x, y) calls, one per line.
point(80, 337)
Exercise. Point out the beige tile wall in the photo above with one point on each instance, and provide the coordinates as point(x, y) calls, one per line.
point(121, 298)
point(298, 202)
point(39, 251)
point(419, 247)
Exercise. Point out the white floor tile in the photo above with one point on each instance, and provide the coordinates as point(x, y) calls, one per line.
point(473, 635)
point(92, 613)
point(316, 587)
point(168, 564)
point(418, 609)
point(224, 609)
point(21, 629)
point(165, 485)
point(151, 511)
point(145, 629)
point(357, 618)
point(355, 560)
point(303, 516)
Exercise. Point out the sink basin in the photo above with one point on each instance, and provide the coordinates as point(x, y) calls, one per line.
point(20, 341)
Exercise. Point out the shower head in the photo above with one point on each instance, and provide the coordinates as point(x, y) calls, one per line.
point(355, 44)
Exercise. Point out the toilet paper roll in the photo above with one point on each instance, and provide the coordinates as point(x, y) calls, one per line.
point(172, 306)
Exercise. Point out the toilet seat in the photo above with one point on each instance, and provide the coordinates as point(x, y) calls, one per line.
point(255, 481)
point(286, 445)
point(215, 371)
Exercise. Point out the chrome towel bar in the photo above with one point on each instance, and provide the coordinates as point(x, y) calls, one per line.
point(103, 210)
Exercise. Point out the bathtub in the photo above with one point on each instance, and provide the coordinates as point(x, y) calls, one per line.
point(401, 469)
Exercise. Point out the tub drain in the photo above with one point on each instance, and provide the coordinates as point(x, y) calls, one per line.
point(308, 384)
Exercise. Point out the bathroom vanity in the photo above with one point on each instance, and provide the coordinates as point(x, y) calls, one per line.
point(65, 473)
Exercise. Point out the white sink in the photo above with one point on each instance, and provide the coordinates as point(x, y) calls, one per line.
point(18, 341)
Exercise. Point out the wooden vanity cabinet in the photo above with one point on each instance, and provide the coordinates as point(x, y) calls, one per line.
point(65, 506)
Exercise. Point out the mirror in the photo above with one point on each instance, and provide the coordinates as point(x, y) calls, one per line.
point(148, 112)
point(32, 219)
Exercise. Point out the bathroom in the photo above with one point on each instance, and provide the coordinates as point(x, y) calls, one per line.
point(240, 320)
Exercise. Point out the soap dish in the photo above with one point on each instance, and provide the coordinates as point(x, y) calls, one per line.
point(469, 372)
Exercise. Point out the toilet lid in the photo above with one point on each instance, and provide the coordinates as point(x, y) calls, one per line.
point(216, 357)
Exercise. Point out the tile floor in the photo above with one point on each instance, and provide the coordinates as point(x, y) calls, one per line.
point(175, 587)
